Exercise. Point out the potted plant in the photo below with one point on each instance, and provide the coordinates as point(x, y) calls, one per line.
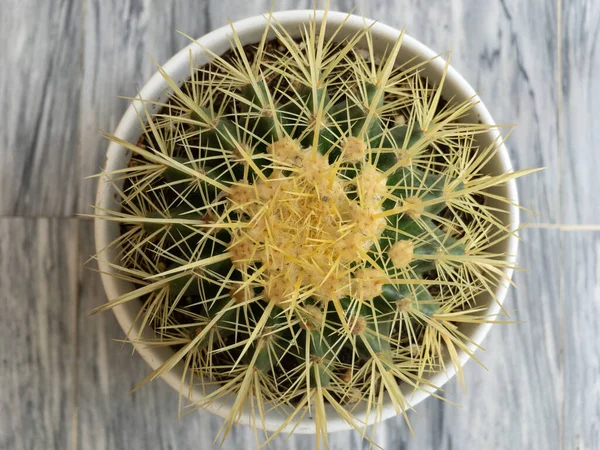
point(306, 222)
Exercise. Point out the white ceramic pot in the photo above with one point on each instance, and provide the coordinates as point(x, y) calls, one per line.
point(249, 31)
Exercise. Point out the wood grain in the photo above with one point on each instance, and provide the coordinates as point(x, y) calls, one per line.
point(580, 110)
point(39, 91)
point(38, 275)
point(582, 347)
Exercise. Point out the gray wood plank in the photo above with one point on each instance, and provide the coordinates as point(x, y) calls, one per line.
point(234, 10)
point(579, 113)
point(581, 348)
point(515, 404)
point(39, 88)
point(38, 276)
point(110, 417)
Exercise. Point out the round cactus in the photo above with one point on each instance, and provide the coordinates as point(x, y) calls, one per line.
point(308, 223)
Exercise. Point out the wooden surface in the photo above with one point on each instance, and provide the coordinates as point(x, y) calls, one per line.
point(580, 110)
point(64, 381)
point(38, 300)
point(581, 345)
point(40, 94)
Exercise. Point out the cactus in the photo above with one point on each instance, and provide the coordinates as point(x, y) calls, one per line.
point(308, 223)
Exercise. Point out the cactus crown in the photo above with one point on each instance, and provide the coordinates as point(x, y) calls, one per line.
point(308, 223)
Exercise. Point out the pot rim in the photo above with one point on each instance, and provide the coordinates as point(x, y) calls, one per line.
point(155, 87)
